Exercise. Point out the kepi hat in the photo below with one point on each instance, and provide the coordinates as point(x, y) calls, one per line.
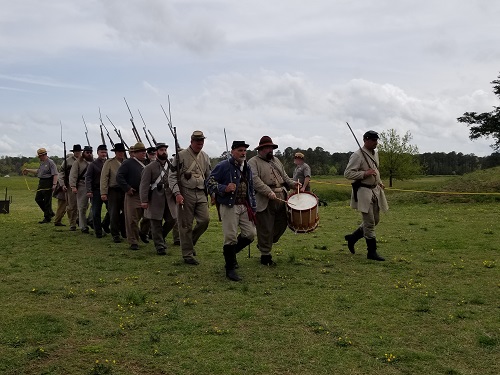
point(266, 141)
point(370, 134)
point(299, 155)
point(151, 150)
point(238, 144)
point(87, 148)
point(102, 148)
point(197, 135)
point(160, 145)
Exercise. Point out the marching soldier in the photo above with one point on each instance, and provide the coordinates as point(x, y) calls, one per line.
point(77, 184)
point(112, 193)
point(188, 185)
point(156, 197)
point(232, 184)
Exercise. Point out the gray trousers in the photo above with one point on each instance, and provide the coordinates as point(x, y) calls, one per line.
point(159, 230)
point(72, 207)
point(233, 218)
point(195, 208)
point(371, 218)
point(83, 204)
point(271, 224)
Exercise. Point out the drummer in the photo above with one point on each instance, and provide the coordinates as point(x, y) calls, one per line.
point(270, 182)
point(302, 172)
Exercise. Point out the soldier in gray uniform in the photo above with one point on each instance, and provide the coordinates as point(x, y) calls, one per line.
point(156, 197)
point(47, 174)
point(368, 195)
point(188, 185)
point(271, 184)
point(71, 201)
point(77, 183)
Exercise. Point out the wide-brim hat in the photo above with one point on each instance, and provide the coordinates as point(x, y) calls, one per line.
point(102, 148)
point(118, 147)
point(41, 151)
point(266, 141)
point(238, 144)
point(139, 146)
point(76, 148)
point(299, 155)
point(87, 148)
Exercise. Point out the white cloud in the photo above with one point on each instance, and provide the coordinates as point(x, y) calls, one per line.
point(293, 70)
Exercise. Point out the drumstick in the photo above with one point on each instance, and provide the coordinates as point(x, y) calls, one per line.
point(282, 200)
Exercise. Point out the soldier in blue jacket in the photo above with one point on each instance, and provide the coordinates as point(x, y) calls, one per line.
point(232, 184)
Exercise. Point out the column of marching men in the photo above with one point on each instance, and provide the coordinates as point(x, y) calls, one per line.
point(147, 195)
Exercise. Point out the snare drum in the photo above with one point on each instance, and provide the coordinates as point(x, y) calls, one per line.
point(302, 212)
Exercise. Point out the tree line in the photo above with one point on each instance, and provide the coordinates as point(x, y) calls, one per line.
point(321, 162)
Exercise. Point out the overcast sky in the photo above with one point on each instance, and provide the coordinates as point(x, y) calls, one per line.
point(293, 70)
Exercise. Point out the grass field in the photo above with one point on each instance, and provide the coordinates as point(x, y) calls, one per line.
point(74, 304)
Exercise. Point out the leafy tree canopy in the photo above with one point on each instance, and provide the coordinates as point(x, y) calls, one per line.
point(485, 124)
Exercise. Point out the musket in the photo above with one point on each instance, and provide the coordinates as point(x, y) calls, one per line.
point(134, 129)
point(103, 140)
point(65, 163)
point(145, 133)
point(107, 132)
point(173, 130)
point(356, 139)
point(118, 133)
point(86, 132)
point(228, 155)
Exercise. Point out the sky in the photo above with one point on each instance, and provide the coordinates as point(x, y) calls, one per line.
point(296, 71)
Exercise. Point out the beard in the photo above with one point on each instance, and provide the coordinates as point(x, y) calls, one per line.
point(269, 155)
point(162, 156)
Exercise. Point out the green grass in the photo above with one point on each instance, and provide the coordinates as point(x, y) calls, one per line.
point(73, 304)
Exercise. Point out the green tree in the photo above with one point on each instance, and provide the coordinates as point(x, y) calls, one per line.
point(485, 124)
point(398, 158)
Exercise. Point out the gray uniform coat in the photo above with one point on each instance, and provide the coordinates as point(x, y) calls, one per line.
point(355, 170)
point(267, 176)
point(156, 198)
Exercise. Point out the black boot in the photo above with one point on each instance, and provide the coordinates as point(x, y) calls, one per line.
point(267, 260)
point(242, 243)
point(353, 238)
point(230, 258)
point(371, 244)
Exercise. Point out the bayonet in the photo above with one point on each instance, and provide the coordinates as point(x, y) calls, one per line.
point(86, 132)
